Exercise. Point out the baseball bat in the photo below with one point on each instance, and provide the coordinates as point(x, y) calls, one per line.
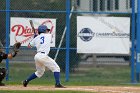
point(32, 25)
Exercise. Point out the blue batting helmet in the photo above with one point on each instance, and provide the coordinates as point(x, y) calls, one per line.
point(43, 28)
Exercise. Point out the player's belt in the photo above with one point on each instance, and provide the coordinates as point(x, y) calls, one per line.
point(42, 52)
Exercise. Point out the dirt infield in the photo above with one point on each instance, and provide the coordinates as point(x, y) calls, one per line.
point(98, 89)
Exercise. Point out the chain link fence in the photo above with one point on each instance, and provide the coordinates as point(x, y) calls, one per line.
point(57, 9)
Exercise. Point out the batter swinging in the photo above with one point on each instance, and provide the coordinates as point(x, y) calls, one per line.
point(43, 42)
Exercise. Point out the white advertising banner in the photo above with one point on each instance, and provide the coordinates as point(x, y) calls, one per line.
point(21, 30)
point(103, 35)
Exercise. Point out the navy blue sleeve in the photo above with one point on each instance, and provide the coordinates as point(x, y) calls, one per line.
point(35, 35)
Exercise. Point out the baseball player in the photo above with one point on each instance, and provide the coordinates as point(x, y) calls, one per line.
point(43, 42)
point(5, 56)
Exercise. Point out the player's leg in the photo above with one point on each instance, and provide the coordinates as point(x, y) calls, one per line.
point(2, 75)
point(40, 71)
point(31, 77)
point(53, 66)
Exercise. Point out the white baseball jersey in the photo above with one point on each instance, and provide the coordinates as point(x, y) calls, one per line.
point(42, 42)
point(42, 60)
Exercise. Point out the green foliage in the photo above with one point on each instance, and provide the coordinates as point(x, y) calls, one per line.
point(3, 5)
point(37, 5)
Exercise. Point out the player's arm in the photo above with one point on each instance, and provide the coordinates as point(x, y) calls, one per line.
point(35, 35)
point(15, 48)
point(31, 44)
point(9, 56)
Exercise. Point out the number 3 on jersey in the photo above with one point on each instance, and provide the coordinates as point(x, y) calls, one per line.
point(42, 40)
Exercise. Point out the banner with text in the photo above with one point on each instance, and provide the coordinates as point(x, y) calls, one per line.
point(21, 30)
point(103, 35)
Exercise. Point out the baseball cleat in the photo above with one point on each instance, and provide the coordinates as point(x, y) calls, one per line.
point(59, 86)
point(25, 83)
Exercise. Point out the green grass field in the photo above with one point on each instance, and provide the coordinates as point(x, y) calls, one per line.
point(107, 76)
point(92, 76)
